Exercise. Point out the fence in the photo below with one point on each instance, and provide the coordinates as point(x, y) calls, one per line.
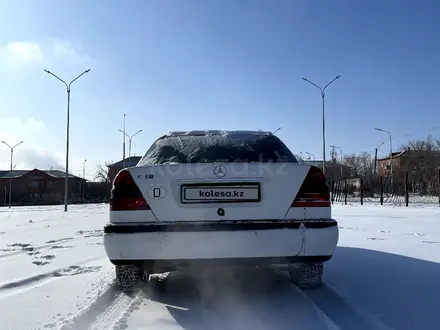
point(402, 188)
point(95, 192)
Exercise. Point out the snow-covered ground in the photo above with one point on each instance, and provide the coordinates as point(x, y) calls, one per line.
point(385, 275)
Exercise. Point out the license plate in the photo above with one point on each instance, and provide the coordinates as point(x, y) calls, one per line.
point(238, 193)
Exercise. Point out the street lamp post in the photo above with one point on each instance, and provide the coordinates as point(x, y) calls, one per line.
point(123, 144)
point(129, 143)
point(375, 157)
point(335, 147)
point(391, 150)
point(10, 173)
point(66, 181)
point(323, 115)
point(310, 154)
point(84, 179)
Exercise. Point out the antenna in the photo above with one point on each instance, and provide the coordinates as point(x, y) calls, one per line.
point(276, 130)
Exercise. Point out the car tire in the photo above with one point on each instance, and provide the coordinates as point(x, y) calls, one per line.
point(127, 277)
point(307, 276)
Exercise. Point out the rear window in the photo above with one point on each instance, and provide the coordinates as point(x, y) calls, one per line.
point(239, 147)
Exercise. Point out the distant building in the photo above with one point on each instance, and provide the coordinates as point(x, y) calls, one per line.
point(113, 169)
point(409, 160)
point(384, 162)
point(38, 186)
point(333, 170)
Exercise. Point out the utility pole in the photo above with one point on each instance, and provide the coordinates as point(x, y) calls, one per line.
point(66, 180)
point(323, 115)
point(375, 157)
point(375, 161)
point(391, 150)
point(123, 145)
point(10, 172)
point(84, 180)
point(333, 153)
point(129, 143)
point(342, 174)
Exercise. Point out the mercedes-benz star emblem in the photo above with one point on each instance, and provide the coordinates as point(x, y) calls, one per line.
point(220, 171)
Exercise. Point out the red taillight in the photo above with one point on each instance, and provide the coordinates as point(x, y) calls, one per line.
point(125, 194)
point(314, 191)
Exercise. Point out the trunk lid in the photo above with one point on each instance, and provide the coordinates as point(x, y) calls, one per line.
point(220, 191)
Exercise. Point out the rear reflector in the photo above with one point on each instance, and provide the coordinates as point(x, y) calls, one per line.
point(125, 194)
point(314, 191)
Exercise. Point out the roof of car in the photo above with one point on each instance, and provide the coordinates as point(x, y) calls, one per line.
point(216, 132)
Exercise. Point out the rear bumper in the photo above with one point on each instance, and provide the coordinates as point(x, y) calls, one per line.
point(229, 242)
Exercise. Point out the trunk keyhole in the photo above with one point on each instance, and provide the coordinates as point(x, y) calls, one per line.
point(221, 212)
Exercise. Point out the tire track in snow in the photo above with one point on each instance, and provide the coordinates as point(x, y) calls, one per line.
point(227, 299)
point(342, 310)
point(37, 225)
point(232, 307)
point(106, 310)
point(331, 325)
point(26, 248)
point(198, 303)
point(117, 314)
point(279, 305)
point(29, 283)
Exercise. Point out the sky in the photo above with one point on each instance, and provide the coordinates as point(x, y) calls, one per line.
point(214, 64)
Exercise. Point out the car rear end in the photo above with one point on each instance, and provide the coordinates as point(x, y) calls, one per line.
point(222, 198)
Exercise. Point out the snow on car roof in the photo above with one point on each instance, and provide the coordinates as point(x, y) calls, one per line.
point(217, 145)
point(217, 132)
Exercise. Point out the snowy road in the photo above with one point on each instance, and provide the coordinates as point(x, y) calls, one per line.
point(54, 275)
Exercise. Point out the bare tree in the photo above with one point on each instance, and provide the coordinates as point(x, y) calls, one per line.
point(422, 154)
point(102, 172)
point(353, 161)
point(361, 165)
point(421, 161)
point(367, 163)
point(428, 144)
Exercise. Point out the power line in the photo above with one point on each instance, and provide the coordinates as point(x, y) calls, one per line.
point(420, 132)
point(373, 146)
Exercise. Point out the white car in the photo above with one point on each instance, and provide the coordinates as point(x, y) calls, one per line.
point(203, 198)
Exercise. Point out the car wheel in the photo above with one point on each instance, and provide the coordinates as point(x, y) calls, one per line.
point(308, 275)
point(127, 276)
